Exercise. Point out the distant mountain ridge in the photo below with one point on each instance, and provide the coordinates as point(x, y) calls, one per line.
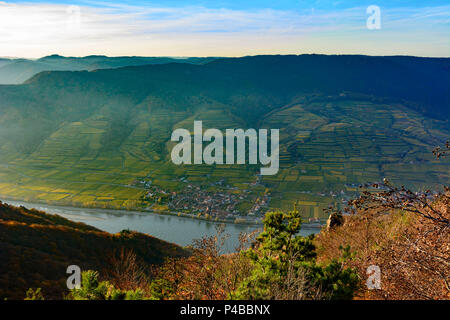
point(16, 71)
point(420, 81)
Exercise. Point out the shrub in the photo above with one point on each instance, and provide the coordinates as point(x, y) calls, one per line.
point(285, 266)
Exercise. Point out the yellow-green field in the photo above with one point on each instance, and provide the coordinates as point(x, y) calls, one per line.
point(327, 147)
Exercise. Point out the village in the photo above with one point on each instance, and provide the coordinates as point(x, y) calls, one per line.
point(220, 201)
point(216, 200)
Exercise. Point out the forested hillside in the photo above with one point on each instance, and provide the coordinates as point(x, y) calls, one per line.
point(36, 248)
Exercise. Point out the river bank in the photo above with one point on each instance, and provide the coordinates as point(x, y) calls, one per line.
point(171, 228)
point(239, 220)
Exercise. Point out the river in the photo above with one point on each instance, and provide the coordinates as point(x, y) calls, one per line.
point(179, 230)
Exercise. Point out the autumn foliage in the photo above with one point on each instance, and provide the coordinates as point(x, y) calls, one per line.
point(406, 234)
point(36, 248)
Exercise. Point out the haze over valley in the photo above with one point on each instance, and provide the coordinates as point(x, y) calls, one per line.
point(101, 138)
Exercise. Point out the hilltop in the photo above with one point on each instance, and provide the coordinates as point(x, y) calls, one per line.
point(36, 248)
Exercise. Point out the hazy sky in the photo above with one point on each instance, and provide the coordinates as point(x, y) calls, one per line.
point(222, 27)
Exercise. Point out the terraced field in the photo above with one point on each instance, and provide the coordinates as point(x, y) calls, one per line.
point(102, 138)
point(328, 146)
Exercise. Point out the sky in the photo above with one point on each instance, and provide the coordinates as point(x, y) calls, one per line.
point(36, 28)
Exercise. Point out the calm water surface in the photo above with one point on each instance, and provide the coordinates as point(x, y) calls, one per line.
point(179, 230)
